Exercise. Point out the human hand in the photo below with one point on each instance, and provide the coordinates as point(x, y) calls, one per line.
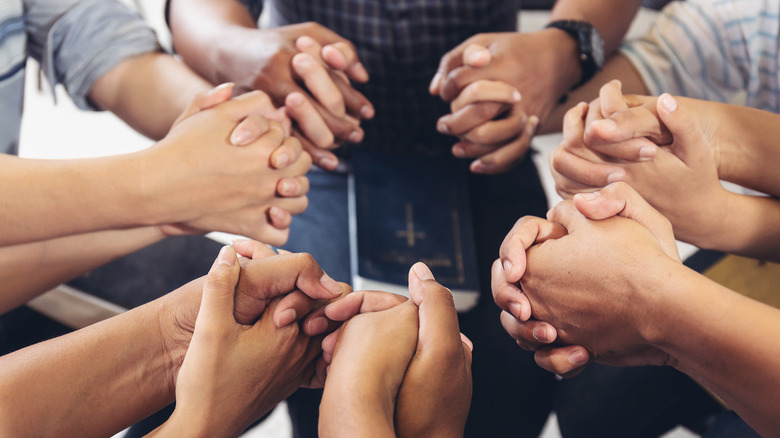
point(599, 137)
point(487, 118)
point(600, 300)
point(536, 64)
point(264, 277)
point(439, 372)
point(308, 69)
point(232, 373)
point(219, 186)
point(363, 381)
point(687, 165)
point(435, 395)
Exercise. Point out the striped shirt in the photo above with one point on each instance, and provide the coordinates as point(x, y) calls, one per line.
point(719, 50)
point(400, 42)
point(74, 41)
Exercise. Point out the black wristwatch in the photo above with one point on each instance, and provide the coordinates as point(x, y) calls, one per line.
point(589, 43)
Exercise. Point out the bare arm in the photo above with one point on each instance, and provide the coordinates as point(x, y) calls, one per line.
point(305, 67)
point(203, 29)
point(725, 341)
point(148, 92)
point(28, 270)
point(93, 382)
point(99, 380)
point(643, 307)
point(196, 177)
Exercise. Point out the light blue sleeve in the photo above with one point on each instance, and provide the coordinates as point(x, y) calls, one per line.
point(76, 42)
point(687, 52)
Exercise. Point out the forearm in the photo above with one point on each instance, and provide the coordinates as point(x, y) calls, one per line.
point(202, 32)
point(748, 226)
point(616, 67)
point(93, 382)
point(611, 17)
point(745, 144)
point(356, 407)
point(65, 197)
point(725, 341)
point(148, 92)
point(28, 270)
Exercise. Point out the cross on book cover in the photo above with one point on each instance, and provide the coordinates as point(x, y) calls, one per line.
point(405, 209)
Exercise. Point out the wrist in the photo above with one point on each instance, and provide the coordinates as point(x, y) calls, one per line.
point(176, 315)
point(661, 291)
point(356, 406)
point(564, 59)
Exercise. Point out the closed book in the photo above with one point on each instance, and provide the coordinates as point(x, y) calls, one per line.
point(405, 209)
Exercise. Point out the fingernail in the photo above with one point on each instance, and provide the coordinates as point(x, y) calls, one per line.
point(434, 82)
point(533, 121)
point(361, 70)
point(443, 128)
point(226, 256)
point(220, 87)
point(304, 42)
point(516, 96)
point(507, 267)
point(578, 357)
point(458, 151)
point(294, 99)
point(541, 334)
point(288, 187)
point(286, 317)
point(317, 325)
point(474, 57)
point(238, 137)
point(276, 213)
point(647, 153)
point(329, 162)
point(304, 60)
point(467, 341)
point(367, 112)
point(669, 102)
point(516, 309)
point(281, 160)
point(615, 177)
point(590, 196)
point(422, 271)
point(330, 284)
point(478, 167)
point(355, 137)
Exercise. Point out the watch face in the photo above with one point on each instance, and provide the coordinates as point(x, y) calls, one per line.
point(597, 47)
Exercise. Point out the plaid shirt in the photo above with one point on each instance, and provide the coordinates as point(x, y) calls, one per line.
point(400, 42)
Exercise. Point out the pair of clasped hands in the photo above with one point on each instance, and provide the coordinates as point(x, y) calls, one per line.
point(579, 285)
point(309, 70)
point(270, 323)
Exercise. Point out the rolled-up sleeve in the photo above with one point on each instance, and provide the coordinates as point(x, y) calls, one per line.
point(76, 42)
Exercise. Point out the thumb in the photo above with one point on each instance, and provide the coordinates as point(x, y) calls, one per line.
point(207, 99)
point(216, 303)
point(684, 128)
point(620, 199)
point(438, 318)
point(476, 55)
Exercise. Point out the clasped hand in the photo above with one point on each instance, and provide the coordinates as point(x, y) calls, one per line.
point(574, 287)
point(398, 367)
point(483, 79)
point(308, 69)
